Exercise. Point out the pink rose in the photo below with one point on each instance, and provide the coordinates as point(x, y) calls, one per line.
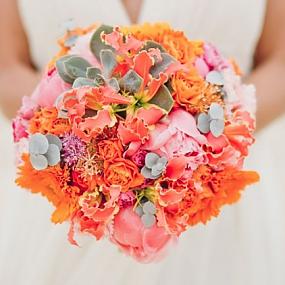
point(144, 244)
point(49, 88)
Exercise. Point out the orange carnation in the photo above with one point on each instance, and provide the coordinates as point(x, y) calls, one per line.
point(122, 172)
point(53, 184)
point(193, 92)
point(204, 199)
point(219, 188)
point(46, 121)
point(175, 42)
point(110, 149)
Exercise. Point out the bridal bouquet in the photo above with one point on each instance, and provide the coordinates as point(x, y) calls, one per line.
point(136, 134)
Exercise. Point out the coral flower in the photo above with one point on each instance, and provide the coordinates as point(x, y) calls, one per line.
point(144, 244)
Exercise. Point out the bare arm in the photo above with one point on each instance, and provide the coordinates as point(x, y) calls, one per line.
point(269, 72)
point(17, 75)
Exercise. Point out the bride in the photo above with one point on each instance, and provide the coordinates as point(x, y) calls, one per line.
point(245, 245)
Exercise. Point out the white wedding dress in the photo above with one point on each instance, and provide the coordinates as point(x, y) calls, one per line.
point(245, 245)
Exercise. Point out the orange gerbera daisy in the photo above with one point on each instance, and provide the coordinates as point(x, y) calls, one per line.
point(53, 184)
point(217, 189)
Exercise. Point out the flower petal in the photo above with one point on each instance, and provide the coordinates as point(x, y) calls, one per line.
point(176, 167)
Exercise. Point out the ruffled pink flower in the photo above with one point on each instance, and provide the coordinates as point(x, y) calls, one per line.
point(133, 131)
point(121, 44)
point(95, 214)
point(231, 148)
point(49, 88)
point(178, 139)
point(89, 128)
point(143, 244)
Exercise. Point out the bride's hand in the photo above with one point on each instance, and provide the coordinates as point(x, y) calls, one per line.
point(18, 77)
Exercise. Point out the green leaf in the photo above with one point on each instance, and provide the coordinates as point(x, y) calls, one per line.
point(152, 44)
point(81, 81)
point(61, 69)
point(96, 43)
point(76, 66)
point(109, 62)
point(99, 80)
point(71, 66)
point(163, 99)
point(162, 65)
point(131, 81)
point(92, 72)
point(113, 82)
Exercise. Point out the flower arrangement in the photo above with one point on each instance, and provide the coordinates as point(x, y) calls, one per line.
point(136, 134)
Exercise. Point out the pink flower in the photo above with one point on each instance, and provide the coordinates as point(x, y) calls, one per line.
point(49, 88)
point(139, 157)
point(144, 244)
point(231, 148)
point(25, 113)
point(126, 199)
point(178, 139)
point(19, 129)
point(214, 59)
point(28, 108)
point(97, 210)
point(133, 131)
point(202, 66)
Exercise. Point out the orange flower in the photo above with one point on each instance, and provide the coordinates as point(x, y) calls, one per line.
point(175, 42)
point(204, 199)
point(46, 121)
point(122, 172)
point(110, 149)
point(191, 91)
point(220, 188)
point(53, 184)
